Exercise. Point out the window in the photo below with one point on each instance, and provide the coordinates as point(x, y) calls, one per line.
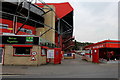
point(44, 52)
point(22, 51)
point(22, 29)
point(26, 30)
point(4, 26)
point(29, 31)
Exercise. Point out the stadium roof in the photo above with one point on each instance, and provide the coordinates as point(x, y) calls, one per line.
point(61, 9)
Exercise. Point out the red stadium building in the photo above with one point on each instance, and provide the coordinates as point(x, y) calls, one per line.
point(108, 50)
point(63, 25)
point(35, 34)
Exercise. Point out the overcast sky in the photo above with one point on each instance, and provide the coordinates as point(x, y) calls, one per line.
point(94, 21)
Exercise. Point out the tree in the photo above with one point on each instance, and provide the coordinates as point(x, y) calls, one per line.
point(80, 44)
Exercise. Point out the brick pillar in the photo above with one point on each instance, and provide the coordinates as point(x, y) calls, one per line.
point(50, 21)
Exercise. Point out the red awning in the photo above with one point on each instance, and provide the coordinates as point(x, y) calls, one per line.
point(105, 44)
point(61, 9)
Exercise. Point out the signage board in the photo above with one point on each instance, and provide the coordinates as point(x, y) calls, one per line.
point(33, 59)
point(34, 53)
point(19, 40)
point(29, 39)
point(50, 53)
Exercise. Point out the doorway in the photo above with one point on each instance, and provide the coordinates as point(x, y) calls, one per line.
point(1, 55)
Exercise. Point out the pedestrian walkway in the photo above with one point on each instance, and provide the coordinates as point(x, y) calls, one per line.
point(70, 68)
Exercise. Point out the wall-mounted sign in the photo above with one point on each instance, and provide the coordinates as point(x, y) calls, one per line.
point(33, 59)
point(50, 53)
point(12, 40)
point(19, 40)
point(34, 53)
point(29, 39)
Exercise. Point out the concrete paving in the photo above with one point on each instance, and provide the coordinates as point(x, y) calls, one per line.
point(70, 68)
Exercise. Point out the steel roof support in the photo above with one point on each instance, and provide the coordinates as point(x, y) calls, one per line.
point(15, 18)
point(46, 12)
point(67, 23)
point(59, 32)
point(26, 18)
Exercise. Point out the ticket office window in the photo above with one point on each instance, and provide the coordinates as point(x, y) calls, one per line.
point(22, 51)
point(44, 52)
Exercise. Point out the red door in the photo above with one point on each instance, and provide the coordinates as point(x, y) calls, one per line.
point(57, 56)
point(95, 56)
